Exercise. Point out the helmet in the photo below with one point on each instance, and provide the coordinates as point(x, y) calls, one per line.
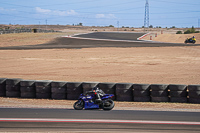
point(193, 36)
point(95, 89)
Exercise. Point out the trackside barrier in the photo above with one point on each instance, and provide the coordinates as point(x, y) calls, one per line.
point(2, 87)
point(159, 93)
point(194, 93)
point(178, 93)
point(47, 89)
point(13, 87)
point(141, 92)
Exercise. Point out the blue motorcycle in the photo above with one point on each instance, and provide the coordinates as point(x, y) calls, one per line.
point(88, 101)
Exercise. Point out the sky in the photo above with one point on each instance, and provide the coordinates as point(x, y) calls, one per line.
point(128, 13)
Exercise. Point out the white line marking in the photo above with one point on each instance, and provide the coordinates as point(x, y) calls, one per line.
point(96, 121)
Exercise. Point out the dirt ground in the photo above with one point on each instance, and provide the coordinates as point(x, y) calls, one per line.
point(170, 65)
point(172, 38)
point(63, 104)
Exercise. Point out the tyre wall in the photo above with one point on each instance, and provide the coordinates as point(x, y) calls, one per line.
point(159, 93)
point(124, 92)
point(141, 92)
point(47, 89)
point(28, 89)
point(194, 93)
point(43, 89)
point(58, 90)
point(178, 93)
point(13, 87)
point(2, 87)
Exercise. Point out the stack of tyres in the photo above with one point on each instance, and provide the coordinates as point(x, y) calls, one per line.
point(87, 86)
point(43, 89)
point(27, 88)
point(178, 93)
point(124, 92)
point(13, 87)
point(74, 89)
point(194, 93)
point(2, 87)
point(141, 93)
point(159, 93)
point(107, 88)
point(59, 90)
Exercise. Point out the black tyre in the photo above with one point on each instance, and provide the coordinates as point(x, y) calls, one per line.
point(27, 89)
point(74, 88)
point(159, 87)
point(87, 86)
point(160, 99)
point(159, 93)
point(2, 81)
point(194, 87)
point(28, 95)
point(142, 99)
point(194, 94)
point(177, 87)
point(27, 83)
point(108, 88)
point(12, 94)
point(178, 99)
point(43, 89)
point(79, 105)
point(43, 83)
point(137, 93)
point(13, 81)
point(59, 89)
point(59, 96)
point(108, 104)
point(12, 88)
point(124, 98)
point(58, 84)
point(141, 87)
point(43, 95)
point(178, 93)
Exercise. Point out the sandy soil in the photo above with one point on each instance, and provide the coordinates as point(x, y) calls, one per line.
point(173, 38)
point(29, 38)
point(63, 104)
point(177, 65)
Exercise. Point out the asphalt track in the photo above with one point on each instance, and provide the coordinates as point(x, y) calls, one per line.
point(95, 40)
point(65, 120)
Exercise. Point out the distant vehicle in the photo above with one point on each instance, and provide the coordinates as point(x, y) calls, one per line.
point(87, 101)
point(191, 40)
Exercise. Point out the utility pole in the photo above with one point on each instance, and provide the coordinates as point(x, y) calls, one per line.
point(146, 15)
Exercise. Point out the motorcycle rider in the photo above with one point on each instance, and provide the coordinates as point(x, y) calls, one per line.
point(98, 93)
point(193, 38)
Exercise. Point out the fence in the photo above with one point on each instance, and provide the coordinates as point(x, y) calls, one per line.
point(47, 89)
point(9, 31)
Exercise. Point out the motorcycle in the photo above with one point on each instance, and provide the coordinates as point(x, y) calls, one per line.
point(190, 40)
point(88, 101)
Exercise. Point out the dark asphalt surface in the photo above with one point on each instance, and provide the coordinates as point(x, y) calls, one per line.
point(112, 35)
point(74, 43)
point(98, 114)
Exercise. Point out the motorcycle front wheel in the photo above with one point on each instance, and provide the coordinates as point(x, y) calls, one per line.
point(108, 104)
point(79, 105)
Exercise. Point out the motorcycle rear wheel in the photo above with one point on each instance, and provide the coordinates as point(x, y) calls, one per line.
point(79, 105)
point(108, 104)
